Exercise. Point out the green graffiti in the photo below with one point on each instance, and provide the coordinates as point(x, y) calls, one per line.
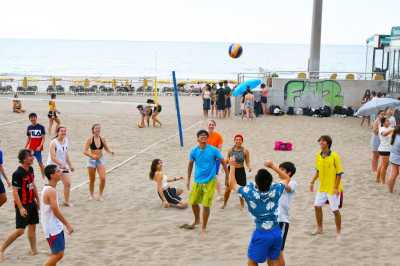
point(329, 90)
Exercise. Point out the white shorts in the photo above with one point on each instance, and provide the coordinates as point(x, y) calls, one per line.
point(322, 197)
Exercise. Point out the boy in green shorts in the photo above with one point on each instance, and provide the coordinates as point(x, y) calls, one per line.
point(205, 157)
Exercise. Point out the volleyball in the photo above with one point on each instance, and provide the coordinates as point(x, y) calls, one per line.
point(235, 50)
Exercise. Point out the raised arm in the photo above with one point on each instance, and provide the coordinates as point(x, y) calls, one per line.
point(387, 132)
point(285, 178)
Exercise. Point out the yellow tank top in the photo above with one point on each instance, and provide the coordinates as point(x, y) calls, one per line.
point(52, 106)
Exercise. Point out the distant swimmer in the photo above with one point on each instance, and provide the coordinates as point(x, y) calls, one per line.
point(59, 156)
point(170, 196)
point(17, 105)
point(53, 113)
point(94, 150)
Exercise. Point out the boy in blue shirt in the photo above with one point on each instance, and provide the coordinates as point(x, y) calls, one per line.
point(262, 199)
point(204, 157)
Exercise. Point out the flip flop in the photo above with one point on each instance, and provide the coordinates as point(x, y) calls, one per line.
point(187, 226)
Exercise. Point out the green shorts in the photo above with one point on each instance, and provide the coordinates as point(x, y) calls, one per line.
point(203, 193)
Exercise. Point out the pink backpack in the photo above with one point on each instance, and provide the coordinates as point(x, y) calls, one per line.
point(283, 146)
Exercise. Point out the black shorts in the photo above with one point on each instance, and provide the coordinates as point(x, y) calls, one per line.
point(228, 102)
point(284, 228)
point(220, 106)
point(52, 115)
point(171, 196)
point(31, 218)
point(384, 153)
point(240, 176)
point(2, 188)
point(157, 109)
point(264, 99)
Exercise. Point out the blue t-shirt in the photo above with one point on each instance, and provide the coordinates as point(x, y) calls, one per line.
point(205, 161)
point(263, 206)
point(1, 157)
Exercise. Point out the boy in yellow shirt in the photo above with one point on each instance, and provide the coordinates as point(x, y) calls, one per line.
point(329, 172)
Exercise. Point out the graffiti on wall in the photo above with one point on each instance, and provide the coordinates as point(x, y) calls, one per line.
point(301, 93)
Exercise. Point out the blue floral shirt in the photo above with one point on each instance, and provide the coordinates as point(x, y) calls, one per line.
point(263, 206)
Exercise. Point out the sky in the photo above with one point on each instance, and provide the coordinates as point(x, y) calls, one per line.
point(250, 21)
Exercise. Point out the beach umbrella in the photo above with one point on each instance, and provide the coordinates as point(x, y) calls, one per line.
point(241, 88)
point(54, 81)
point(114, 83)
point(25, 82)
point(376, 104)
point(86, 83)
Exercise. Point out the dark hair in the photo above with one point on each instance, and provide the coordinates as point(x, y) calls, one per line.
point(383, 120)
point(208, 87)
point(201, 132)
point(225, 82)
point(153, 168)
point(221, 84)
point(326, 138)
point(53, 96)
point(263, 180)
point(379, 94)
point(23, 154)
point(58, 130)
point(150, 101)
point(263, 85)
point(50, 170)
point(289, 167)
point(139, 106)
point(32, 115)
point(380, 111)
point(395, 133)
point(373, 93)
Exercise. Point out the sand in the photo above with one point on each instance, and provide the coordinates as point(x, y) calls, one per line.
point(131, 228)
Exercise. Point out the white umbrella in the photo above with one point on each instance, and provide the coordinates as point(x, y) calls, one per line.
point(376, 104)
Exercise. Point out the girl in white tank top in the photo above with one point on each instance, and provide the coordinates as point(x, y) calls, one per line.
point(61, 152)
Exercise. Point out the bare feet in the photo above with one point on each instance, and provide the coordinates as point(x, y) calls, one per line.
point(100, 198)
point(203, 233)
point(223, 206)
point(33, 252)
point(189, 226)
point(338, 237)
point(318, 231)
point(67, 204)
point(91, 197)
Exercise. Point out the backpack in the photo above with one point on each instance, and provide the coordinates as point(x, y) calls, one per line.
point(290, 111)
point(349, 111)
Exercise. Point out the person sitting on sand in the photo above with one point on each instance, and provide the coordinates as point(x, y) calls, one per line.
point(148, 110)
point(17, 105)
point(142, 113)
point(262, 199)
point(170, 196)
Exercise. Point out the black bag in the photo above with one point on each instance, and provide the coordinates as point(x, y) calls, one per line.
point(271, 108)
point(290, 111)
point(326, 111)
point(339, 110)
point(350, 111)
point(277, 110)
point(307, 111)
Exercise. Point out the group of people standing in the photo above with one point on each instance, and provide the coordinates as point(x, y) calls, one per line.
point(27, 200)
point(269, 202)
point(217, 100)
point(385, 144)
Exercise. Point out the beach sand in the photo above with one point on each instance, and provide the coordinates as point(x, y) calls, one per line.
point(131, 228)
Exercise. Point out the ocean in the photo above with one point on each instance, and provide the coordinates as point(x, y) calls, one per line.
point(188, 59)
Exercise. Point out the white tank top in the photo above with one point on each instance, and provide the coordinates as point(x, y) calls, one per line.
point(50, 223)
point(165, 182)
point(61, 152)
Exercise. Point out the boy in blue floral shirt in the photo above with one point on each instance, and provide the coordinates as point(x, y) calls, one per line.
point(263, 201)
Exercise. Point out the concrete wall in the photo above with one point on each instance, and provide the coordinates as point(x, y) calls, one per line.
point(325, 92)
point(315, 94)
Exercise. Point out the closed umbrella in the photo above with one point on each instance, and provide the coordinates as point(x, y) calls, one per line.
point(242, 87)
point(376, 104)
